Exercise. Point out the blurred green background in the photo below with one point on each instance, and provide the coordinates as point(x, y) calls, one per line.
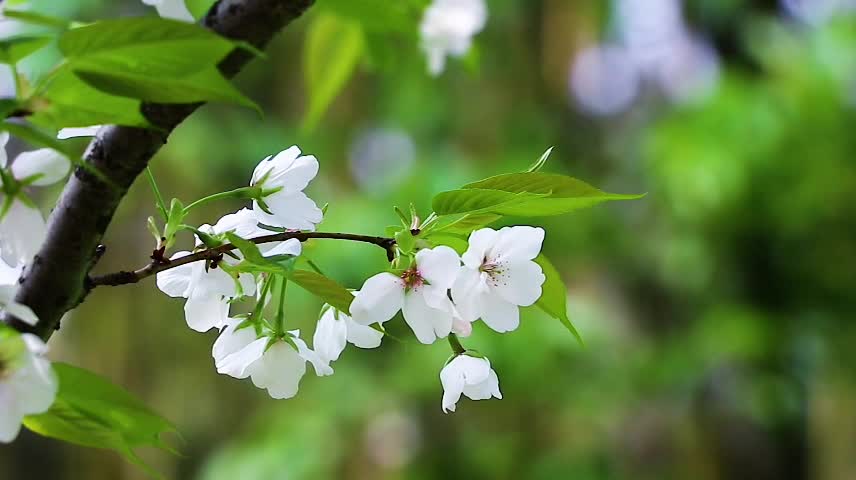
point(717, 311)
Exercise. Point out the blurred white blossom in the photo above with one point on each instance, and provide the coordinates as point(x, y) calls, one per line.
point(448, 28)
point(174, 9)
point(28, 384)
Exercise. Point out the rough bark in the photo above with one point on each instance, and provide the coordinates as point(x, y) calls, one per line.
point(54, 282)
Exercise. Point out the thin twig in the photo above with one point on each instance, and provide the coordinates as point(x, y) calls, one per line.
point(126, 277)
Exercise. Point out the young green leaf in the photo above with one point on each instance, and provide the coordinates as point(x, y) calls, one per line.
point(324, 288)
point(68, 101)
point(26, 16)
point(198, 8)
point(477, 201)
point(333, 48)
point(91, 411)
point(14, 49)
point(467, 222)
point(560, 193)
point(250, 250)
point(143, 46)
point(457, 242)
point(207, 85)
point(36, 137)
point(554, 296)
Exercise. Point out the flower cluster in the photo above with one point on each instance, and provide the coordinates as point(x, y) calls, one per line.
point(438, 291)
point(253, 345)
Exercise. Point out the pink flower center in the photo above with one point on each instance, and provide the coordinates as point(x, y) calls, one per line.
point(412, 278)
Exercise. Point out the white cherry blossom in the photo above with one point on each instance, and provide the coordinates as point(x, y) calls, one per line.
point(8, 285)
point(470, 376)
point(499, 276)
point(289, 173)
point(447, 29)
point(421, 293)
point(245, 224)
point(28, 384)
point(335, 329)
point(275, 365)
point(174, 9)
point(207, 289)
point(22, 226)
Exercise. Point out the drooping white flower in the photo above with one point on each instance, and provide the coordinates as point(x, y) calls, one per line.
point(75, 132)
point(22, 227)
point(275, 365)
point(470, 376)
point(8, 285)
point(447, 29)
point(499, 275)
point(421, 293)
point(28, 384)
point(207, 289)
point(289, 207)
point(335, 329)
point(245, 224)
point(174, 9)
point(22, 230)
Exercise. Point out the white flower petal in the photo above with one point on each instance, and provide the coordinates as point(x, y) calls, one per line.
point(484, 390)
point(480, 242)
point(173, 9)
point(242, 223)
point(47, 162)
point(380, 298)
point(22, 231)
point(4, 139)
point(438, 265)
point(240, 364)
point(74, 132)
point(289, 247)
point(321, 365)
point(498, 314)
point(176, 282)
point(467, 292)
point(462, 371)
point(231, 340)
point(426, 322)
point(293, 211)
point(362, 336)
point(331, 335)
point(279, 371)
point(519, 243)
point(206, 312)
point(35, 381)
point(22, 312)
point(287, 170)
point(520, 283)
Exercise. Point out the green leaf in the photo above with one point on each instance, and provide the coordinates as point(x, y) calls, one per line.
point(254, 261)
point(14, 49)
point(554, 296)
point(468, 222)
point(202, 86)
point(325, 288)
point(198, 8)
point(478, 201)
point(143, 46)
point(174, 219)
point(36, 18)
point(458, 243)
point(36, 137)
point(333, 48)
point(561, 194)
point(250, 250)
point(70, 102)
point(91, 411)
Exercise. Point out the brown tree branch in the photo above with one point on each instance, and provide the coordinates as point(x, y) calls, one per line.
point(54, 282)
point(155, 267)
